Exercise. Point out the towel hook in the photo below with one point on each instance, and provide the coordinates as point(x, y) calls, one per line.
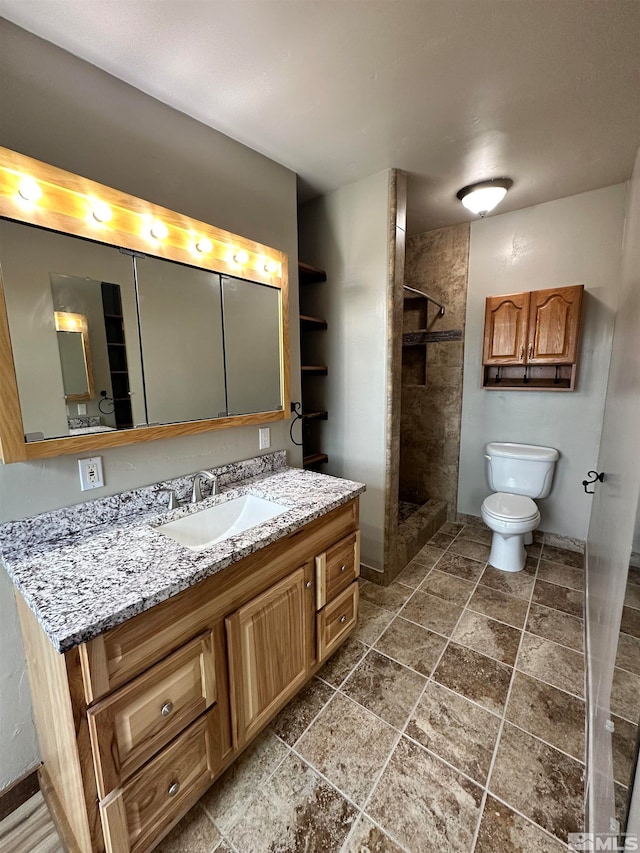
point(595, 478)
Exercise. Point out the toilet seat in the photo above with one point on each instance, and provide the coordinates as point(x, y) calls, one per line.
point(503, 506)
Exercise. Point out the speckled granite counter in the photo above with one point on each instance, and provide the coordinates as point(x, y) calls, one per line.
point(90, 567)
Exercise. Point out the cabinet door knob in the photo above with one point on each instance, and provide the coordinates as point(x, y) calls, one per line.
point(342, 568)
point(343, 619)
point(174, 787)
point(308, 584)
point(166, 709)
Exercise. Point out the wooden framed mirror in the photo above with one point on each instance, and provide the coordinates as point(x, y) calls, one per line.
point(72, 332)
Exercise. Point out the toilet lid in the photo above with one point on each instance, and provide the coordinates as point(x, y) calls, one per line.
point(504, 505)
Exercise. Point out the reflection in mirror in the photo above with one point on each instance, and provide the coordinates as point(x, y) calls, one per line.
point(75, 355)
point(252, 346)
point(181, 332)
point(44, 273)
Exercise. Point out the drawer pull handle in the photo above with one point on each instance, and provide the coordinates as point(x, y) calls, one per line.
point(166, 709)
point(343, 619)
point(174, 787)
point(343, 568)
point(308, 584)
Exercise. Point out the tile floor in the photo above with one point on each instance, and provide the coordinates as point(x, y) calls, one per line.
point(451, 720)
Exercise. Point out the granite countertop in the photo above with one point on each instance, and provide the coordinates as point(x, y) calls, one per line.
point(87, 568)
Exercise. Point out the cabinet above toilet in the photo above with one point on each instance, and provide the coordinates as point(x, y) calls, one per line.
point(531, 340)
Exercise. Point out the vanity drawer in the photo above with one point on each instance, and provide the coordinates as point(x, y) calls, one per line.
point(130, 726)
point(136, 815)
point(336, 620)
point(336, 568)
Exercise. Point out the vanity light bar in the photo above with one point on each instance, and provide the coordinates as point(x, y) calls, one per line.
point(79, 206)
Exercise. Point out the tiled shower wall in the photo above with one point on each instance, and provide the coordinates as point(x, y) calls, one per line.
point(437, 264)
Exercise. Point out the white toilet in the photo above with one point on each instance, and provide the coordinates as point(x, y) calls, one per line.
point(517, 473)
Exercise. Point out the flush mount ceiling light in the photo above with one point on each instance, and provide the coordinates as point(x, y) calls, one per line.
point(482, 197)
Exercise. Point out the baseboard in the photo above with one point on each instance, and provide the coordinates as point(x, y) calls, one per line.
point(18, 792)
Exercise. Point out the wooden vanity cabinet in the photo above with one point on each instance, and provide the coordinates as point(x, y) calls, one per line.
point(537, 331)
point(137, 723)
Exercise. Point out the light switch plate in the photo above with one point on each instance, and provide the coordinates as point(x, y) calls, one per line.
point(91, 476)
point(264, 434)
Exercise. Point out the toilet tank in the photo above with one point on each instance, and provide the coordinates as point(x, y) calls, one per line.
point(521, 469)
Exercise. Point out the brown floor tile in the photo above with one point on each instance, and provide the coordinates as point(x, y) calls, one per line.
point(630, 621)
point(624, 742)
point(390, 597)
point(349, 746)
point(530, 566)
point(413, 574)
point(554, 664)
point(534, 550)
point(461, 567)
point(455, 729)
point(340, 664)
point(448, 587)
point(561, 575)
point(432, 613)
point(469, 548)
point(412, 645)
point(518, 584)
point(428, 556)
point(440, 540)
point(548, 713)
point(504, 831)
point(368, 838)
point(450, 528)
point(225, 802)
point(296, 716)
point(499, 605)
point(557, 626)
point(538, 781)
point(477, 533)
point(559, 598)
point(632, 596)
point(475, 676)
point(563, 556)
point(488, 637)
point(372, 620)
point(625, 695)
point(634, 575)
point(297, 811)
point(423, 803)
point(385, 687)
point(194, 834)
point(628, 656)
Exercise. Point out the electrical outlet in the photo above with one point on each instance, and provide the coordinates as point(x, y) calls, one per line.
point(91, 476)
point(82, 408)
point(264, 434)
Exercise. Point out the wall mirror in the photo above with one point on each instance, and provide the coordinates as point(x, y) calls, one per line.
point(152, 325)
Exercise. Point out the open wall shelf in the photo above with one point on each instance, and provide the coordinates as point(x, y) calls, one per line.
point(311, 411)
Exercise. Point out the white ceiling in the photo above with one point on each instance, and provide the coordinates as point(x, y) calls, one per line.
point(453, 91)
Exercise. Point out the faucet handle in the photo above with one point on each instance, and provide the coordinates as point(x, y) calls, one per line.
point(174, 503)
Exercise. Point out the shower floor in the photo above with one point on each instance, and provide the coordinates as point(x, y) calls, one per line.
point(416, 525)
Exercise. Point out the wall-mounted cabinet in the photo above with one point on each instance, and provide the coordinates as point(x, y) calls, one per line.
point(531, 340)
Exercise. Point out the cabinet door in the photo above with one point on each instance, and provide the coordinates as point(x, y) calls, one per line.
point(554, 320)
point(269, 651)
point(505, 329)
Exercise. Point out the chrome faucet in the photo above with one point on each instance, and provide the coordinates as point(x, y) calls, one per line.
point(196, 493)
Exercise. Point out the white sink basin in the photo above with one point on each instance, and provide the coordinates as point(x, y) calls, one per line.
point(202, 529)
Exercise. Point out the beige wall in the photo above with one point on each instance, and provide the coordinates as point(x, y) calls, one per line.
point(63, 111)
point(573, 240)
point(437, 264)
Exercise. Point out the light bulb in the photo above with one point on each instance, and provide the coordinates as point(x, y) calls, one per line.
point(101, 211)
point(204, 245)
point(29, 189)
point(271, 267)
point(241, 257)
point(159, 230)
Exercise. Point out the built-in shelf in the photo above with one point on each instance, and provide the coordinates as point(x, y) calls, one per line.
point(310, 275)
point(311, 323)
point(314, 459)
point(315, 416)
point(317, 369)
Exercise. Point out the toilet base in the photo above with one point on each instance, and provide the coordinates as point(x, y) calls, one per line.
point(507, 552)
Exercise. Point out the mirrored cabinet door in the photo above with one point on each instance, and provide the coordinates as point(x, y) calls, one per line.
point(181, 332)
point(252, 339)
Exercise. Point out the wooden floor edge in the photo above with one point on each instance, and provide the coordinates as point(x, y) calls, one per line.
point(57, 814)
point(18, 792)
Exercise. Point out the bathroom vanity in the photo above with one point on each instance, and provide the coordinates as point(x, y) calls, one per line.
point(161, 664)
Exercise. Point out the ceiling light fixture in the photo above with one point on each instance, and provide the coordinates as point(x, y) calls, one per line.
point(482, 197)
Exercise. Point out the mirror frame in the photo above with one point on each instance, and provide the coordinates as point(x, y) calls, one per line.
point(66, 204)
point(67, 321)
